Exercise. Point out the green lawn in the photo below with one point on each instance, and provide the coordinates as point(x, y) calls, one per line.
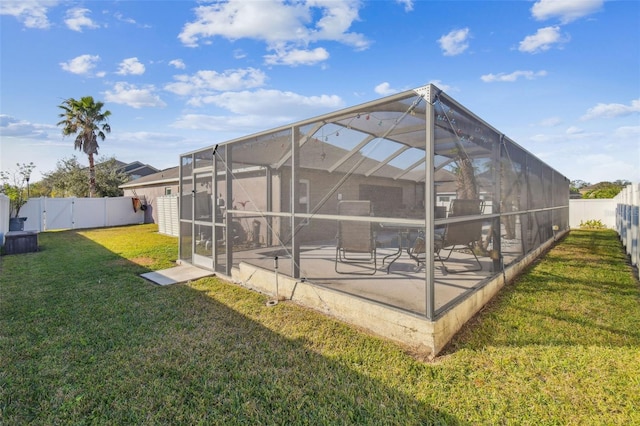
point(85, 340)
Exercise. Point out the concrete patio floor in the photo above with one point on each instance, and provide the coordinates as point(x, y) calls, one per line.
point(403, 286)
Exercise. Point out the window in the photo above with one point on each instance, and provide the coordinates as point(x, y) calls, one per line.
point(167, 190)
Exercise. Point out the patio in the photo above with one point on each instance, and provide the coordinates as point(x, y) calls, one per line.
point(367, 203)
point(403, 284)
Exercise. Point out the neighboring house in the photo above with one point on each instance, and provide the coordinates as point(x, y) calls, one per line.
point(136, 169)
point(151, 186)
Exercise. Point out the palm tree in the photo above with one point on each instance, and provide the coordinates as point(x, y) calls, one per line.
point(85, 119)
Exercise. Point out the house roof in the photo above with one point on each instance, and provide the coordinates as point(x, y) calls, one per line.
point(171, 176)
point(135, 168)
point(168, 176)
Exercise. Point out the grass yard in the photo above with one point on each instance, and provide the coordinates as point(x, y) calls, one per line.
point(85, 340)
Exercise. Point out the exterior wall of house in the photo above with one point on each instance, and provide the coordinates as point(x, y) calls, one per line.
point(148, 195)
point(320, 182)
point(249, 194)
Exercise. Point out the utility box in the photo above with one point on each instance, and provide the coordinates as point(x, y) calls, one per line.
point(16, 242)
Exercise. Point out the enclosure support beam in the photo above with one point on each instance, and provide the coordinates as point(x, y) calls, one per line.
point(269, 174)
point(496, 205)
point(429, 199)
point(228, 161)
point(295, 201)
point(351, 153)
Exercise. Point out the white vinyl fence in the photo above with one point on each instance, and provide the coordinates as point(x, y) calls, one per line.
point(45, 214)
point(627, 220)
point(4, 217)
point(583, 210)
point(168, 217)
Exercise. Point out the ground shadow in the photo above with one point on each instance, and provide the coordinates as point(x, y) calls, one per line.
point(87, 340)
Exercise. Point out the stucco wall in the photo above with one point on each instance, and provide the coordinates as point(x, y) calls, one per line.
point(150, 193)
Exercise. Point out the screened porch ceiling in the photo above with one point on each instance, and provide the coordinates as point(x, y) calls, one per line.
point(384, 138)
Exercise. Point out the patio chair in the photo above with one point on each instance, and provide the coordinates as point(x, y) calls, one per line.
point(356, 241)
point(453, 236)
point(461, 235)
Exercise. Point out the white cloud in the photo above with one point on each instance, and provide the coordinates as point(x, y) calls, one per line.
point(32, 14)
point(571, 133)
point(12, 127)
point(77, 19)
point(612, 110)
point(274, 102)
point(290, 25)
point(502, 77)
point(385, 89)
point(542, 40)
point(455, 42)
point(551, 122)
point(221, 123)
point(133, 96)
point(628, 132)
point(178, 63)
point(295, 57)
point(120, 17)
point(337, 17)
point(131, 66)
point(565, 10)
point(603, 167)
point(232, 125)
point(206, 82)
point(142, 138)
point(408, 4)
point(82, 64)
point(574, 131)
point(255, 110)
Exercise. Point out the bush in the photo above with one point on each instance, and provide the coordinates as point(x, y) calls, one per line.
point(15, 185)
point(592, 224)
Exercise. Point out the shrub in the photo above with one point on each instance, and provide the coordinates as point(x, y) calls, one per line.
point(592, 224)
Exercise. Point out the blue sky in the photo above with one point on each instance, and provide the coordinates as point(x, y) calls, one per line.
point(559, 77)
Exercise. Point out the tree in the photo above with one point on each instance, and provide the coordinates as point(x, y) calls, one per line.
point(15, 185)
point(605, 189)
point(109, 177)
point(85, 119)
point(577, 185)
point(69, 179)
